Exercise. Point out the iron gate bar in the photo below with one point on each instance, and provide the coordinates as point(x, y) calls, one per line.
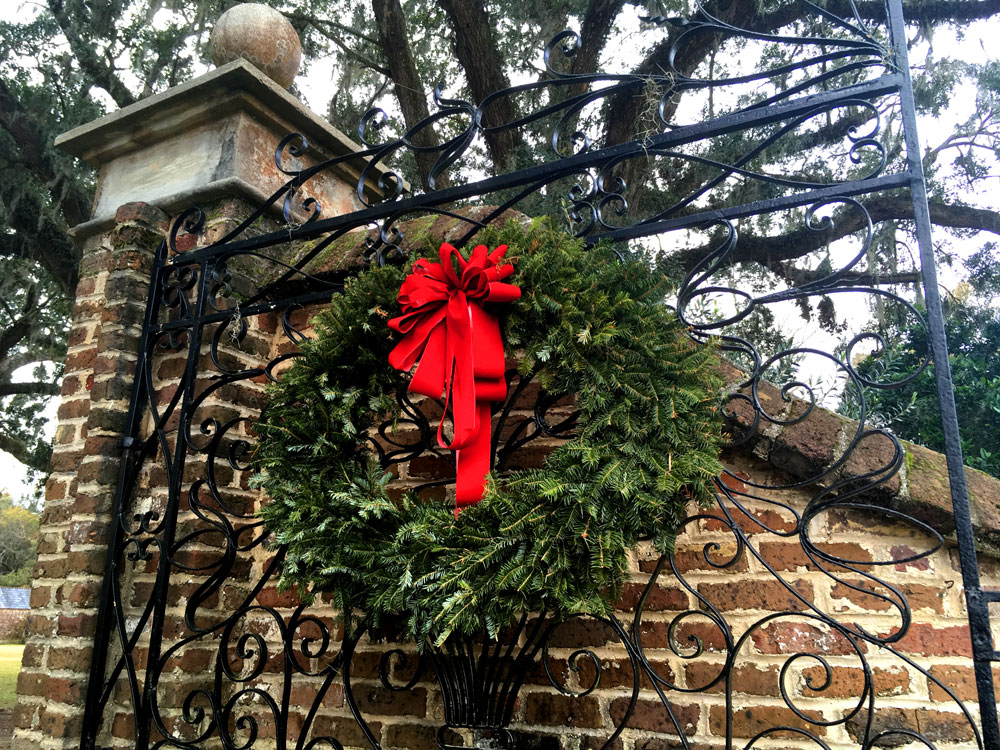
point(202, 273)
point(976, 600)
point(550, 171)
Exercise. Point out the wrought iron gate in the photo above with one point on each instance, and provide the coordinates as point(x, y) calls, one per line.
point(200, 302)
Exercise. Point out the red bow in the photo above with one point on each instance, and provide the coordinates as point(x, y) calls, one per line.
point(460, 351)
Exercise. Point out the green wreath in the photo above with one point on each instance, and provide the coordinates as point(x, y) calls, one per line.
point(553, 539)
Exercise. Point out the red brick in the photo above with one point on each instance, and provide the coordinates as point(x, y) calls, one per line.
point(123, 726)
point(432, 467)
point(31, 683)
point(598, 742)
point(842, 682)
point(944, 726)
point(32, 655)
point(82, 361)
point(693, 559)
point(70, 385)
point(748, 721)
point(74, 409)
point(72, 659)
point(69, 690)
point(748, 679)
point(885, 719)
point(760, 521)
point(927, 640)
point(85, 594)
point(412, 736)
point(24, 718)
point(873, 453)
point(768, 595)
point(55, 489)
point(739, 412)
point(687, 636)
point(929, 490)
point(380, 701)
point(960, 680)
point(843, 593)
point(75, 625)
point(41, 626)
point(345, 729)
point(652, 716)
point(784, 637)
point(581, 633)
point(271, 597)
point(619, 673)
point(660, 598)
point(891, 681)
point(89, 561)
point(86, 287)
point(902, 552)
point(144, 213)
point(55, 723)
point(555, 709)
point(806, 448)
point(66, 460)
point(86, 532)
point(40, 597)
point(790, 555)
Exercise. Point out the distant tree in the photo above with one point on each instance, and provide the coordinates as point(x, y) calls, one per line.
point(18, 541)
point(912, 412)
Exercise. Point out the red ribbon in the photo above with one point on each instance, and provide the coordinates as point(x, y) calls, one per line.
point(460, 351)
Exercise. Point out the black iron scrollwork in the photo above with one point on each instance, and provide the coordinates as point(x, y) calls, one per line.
point(186, 524)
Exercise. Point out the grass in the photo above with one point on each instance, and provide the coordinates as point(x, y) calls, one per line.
point(10, 665)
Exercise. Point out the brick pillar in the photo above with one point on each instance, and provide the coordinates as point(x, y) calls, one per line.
point(100, 366)
point(208, 142)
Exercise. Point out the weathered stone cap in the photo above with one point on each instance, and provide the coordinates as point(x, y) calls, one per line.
point(203, 99)
point(210, 137)
point(920, 489)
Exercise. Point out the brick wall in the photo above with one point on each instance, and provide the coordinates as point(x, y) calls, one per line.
point(103, 342)
point(12, 624)
point(221, 568)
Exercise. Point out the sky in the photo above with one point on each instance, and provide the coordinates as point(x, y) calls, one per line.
point(316, 85)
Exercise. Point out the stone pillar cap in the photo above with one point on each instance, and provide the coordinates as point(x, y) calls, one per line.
point(178, 147)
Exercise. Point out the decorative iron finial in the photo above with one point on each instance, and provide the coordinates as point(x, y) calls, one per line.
point(260, 35)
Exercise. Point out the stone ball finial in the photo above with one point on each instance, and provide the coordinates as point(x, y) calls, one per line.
point(260, 35)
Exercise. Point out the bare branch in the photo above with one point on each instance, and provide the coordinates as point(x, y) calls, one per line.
point(317, 23)
point(801, 242)
point(23, 453)
point(42, 389)
point(353, 54)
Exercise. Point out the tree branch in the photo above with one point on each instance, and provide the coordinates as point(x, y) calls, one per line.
point(594, 33)
point(317, 22)
point(409, 89)
point(21, 127)
point(44, 389)
point(23, 453)
point(39, 237)
point(354, 55)
point(477, 52)
point(98, 70)
point(800, 242)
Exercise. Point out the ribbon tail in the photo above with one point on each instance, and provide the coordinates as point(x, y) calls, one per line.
point(472, 463)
